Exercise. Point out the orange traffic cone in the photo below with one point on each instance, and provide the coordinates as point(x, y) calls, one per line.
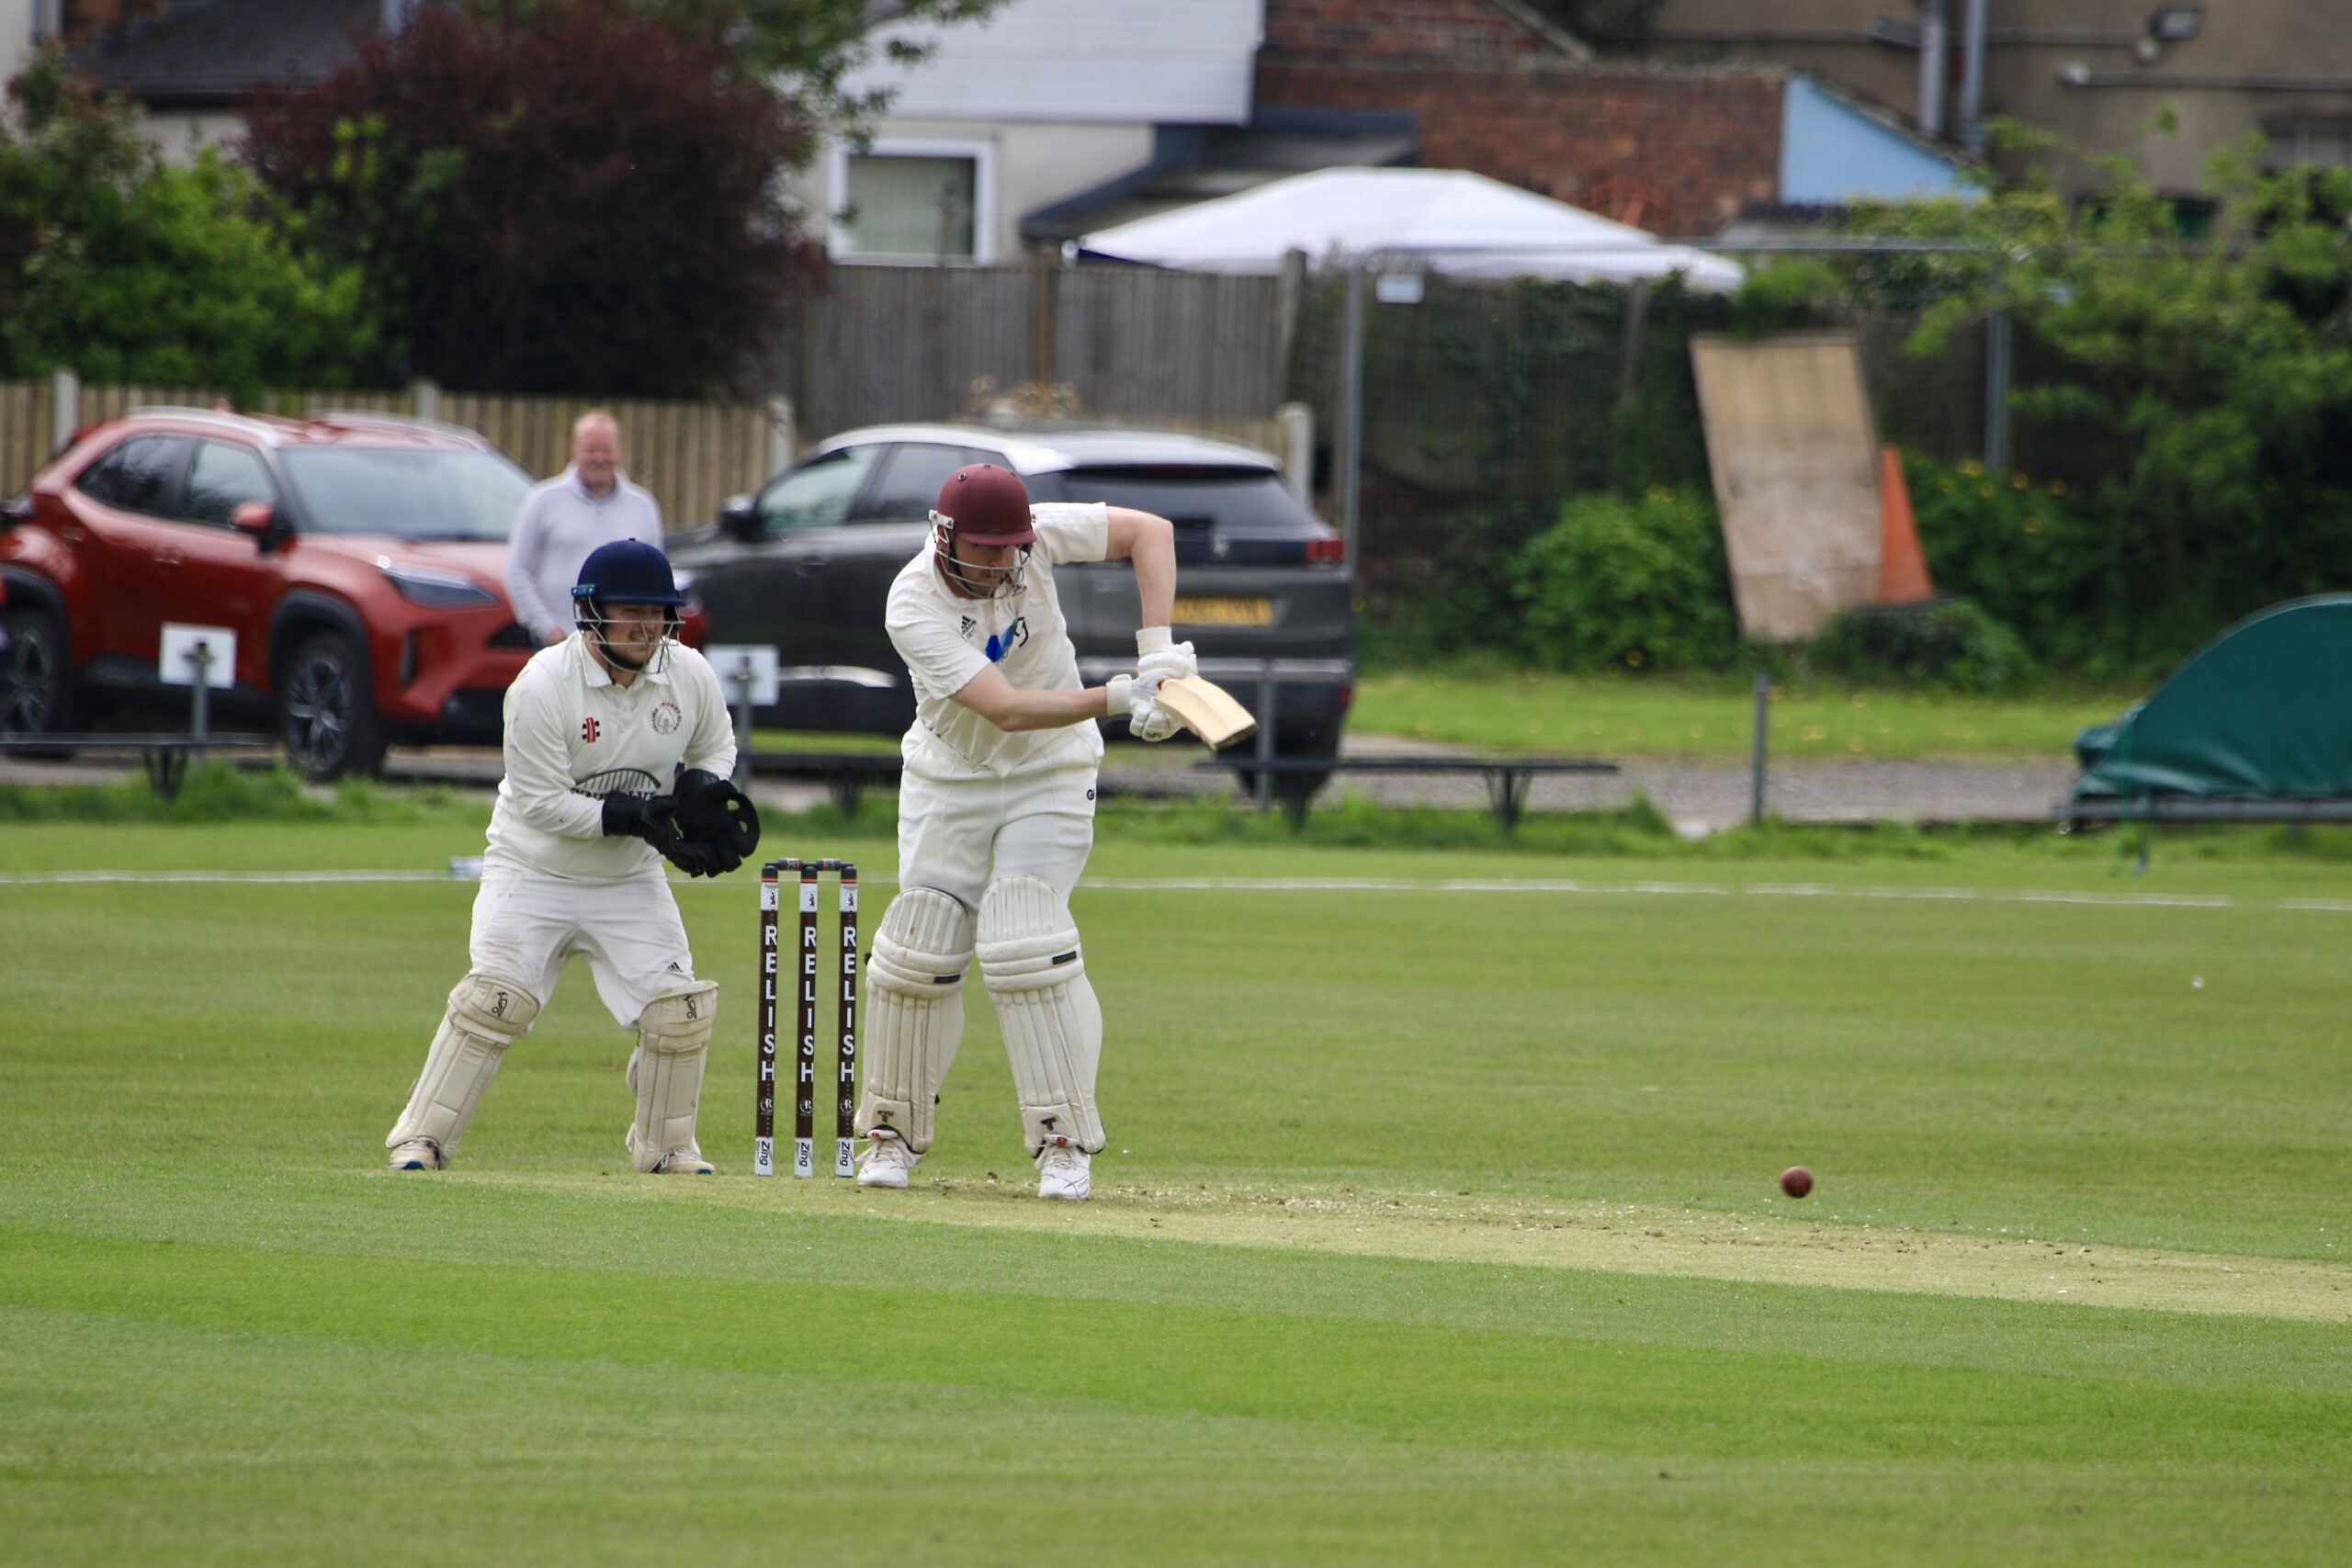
point(1902, 569)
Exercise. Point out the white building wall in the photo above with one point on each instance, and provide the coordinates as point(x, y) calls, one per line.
point(177, 133)
point(1032, 165)
point(1177, 61)
point(21, 22)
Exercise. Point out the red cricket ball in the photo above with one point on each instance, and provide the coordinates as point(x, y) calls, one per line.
point(1796, 1181)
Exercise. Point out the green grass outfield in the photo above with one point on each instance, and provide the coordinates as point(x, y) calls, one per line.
point(1699, 718)
point(1438, 1226)
point(1689, 718)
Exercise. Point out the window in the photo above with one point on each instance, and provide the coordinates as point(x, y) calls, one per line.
point(910, 482)
point(137, 476)
point(2325, 143)
point(915, 200)
point(407, 493)
point(817, 494)
point(223, 478)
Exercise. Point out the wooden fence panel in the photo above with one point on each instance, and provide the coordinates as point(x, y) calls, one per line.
point(886, 344)
point(26, 437)
point(1187, 351)
point(1156, 345)
point(692, 457)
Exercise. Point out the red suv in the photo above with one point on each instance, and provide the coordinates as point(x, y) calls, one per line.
point(360, 559)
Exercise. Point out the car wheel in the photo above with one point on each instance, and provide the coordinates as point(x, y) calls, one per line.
point(326, 714)
point(36, 679)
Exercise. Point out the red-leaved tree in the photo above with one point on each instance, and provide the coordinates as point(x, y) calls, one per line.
point(589, 201)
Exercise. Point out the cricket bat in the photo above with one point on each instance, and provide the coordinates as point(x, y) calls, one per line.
point(1208, 710)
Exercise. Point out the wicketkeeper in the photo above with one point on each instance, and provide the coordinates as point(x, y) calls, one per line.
point(996, 813)
point(597, 728)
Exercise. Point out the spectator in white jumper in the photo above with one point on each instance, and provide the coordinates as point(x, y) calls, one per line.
point(590, 504)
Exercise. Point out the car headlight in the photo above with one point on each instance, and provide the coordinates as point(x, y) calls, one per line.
point(437, 589)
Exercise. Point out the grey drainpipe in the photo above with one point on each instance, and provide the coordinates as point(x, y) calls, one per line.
point(1934, 68)
point(1972, 82)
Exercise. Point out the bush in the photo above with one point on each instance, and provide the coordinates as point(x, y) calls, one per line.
point(1627, 584)
point(127, 268)
point(2028, 556)
point(1948, 643)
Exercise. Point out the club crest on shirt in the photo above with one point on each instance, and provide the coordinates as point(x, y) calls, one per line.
point(590, 730)
point(1004, 642)
point(666, 718)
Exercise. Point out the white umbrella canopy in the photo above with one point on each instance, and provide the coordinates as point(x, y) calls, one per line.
point(1446, 220)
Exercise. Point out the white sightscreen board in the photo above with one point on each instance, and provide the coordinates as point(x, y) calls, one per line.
point(1794, 451)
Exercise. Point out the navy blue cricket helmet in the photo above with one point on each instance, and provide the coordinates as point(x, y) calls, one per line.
point(626, 572)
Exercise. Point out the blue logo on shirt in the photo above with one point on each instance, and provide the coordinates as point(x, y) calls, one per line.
point(1004, 642)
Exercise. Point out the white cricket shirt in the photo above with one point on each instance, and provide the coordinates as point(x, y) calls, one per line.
point(574, 737)
point(947, 640)
point(560, 525)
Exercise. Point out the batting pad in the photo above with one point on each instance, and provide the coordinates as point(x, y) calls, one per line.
point(914, 1011)
point(487, 1013)
point(665, 1071)
point(1053, 1025)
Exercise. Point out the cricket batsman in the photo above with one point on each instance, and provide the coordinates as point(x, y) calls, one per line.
point(597, 728)
point(996, 813)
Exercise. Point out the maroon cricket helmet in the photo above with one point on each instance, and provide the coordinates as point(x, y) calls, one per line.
point(986, 505)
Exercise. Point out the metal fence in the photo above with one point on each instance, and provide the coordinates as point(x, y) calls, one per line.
point(1485, 403)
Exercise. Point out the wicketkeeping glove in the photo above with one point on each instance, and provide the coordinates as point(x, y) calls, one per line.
point(654, 819)
point(716, 815)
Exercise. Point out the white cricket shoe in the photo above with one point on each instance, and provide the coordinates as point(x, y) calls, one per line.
point(687, 1161)
point(1065, 1172)
point(886, 1160)
point(419, 1154)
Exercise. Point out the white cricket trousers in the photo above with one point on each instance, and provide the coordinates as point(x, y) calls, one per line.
point(525, 926)
point(959, 835)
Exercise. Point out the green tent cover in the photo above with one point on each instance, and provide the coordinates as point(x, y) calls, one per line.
point(2264, 710)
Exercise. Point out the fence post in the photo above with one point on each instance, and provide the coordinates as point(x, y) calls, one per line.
point(1298, 450)
point(1997, 347)
point(783, 438)
point(1290, 292)
point(1629, 351)
point(1046, 268)
point(64, 406)
point(425, 398)
point(1352, 390)
point(1756, 757)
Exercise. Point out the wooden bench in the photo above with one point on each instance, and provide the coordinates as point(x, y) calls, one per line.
point(164, 757)
point(1507, 777)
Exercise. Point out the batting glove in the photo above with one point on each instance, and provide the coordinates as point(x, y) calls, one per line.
point(1146, 720)
point(1156, 651)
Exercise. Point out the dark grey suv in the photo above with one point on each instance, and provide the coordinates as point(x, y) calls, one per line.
point(807, 563)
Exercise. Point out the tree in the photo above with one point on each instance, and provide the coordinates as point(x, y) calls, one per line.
point(2188, 380)
point(810, 46)
point(125, 268)
point(585, 201)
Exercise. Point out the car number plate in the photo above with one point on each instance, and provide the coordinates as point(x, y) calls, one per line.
point(1224, 610)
